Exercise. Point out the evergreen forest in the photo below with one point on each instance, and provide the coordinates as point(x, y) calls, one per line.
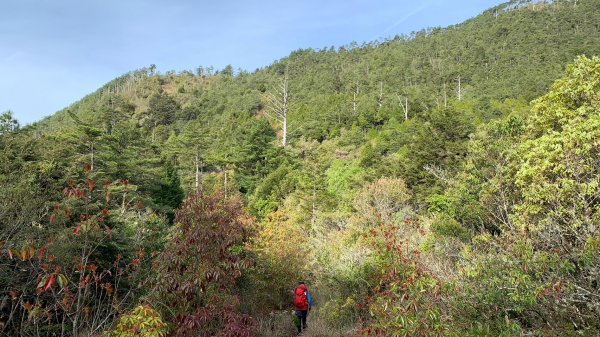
point(442, 183)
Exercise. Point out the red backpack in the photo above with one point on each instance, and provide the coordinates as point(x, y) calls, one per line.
point(301, 297)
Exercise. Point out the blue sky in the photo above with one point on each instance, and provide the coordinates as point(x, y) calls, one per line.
point(53, 52)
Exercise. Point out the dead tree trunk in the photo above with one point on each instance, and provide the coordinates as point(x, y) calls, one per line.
point(92, 157)
point(198, 164)
point(278, 108)
point(380, 98)
point(403, 100)
point(354, 99)
point(445, 97)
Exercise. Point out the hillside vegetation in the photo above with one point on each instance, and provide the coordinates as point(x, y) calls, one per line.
point(444, 183)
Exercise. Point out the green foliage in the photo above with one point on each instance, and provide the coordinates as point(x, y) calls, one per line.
point(558, 166)
point(445, 225)
point(142, 321)
point(406, 297)
point(275, 187)
point(83, 274)
point(378, 202)
point(8, 124)
point(419, 191)
point(169, 193)
point(162, 109)
point(282, 253)
point(343, 178)
point(542, 196)
point(438, 145)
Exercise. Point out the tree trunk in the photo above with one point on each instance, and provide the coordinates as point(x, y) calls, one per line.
point(313, 215)
point(354, 101)
point(279, 107)
point(197, 172)
point(404, 105)
point(285, 108)
point(445, 97)
point(380, 99)
point(284, 128)
point(225, 184)
point(92, 159)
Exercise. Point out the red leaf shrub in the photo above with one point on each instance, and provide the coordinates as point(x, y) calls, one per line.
point(197, 272)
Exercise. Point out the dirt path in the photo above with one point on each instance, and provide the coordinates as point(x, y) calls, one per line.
point(281, 324)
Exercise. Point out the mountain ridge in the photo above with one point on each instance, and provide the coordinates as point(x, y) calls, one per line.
point(437, 51)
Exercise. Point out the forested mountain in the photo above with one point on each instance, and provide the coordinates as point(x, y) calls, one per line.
point(410, 182)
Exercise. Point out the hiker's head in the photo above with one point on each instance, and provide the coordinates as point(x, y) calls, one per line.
point(300, 283)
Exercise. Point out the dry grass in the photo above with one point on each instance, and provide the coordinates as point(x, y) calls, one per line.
point(280, 324)
point(277, 324)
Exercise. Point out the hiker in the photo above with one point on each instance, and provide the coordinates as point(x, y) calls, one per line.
point(302, 304)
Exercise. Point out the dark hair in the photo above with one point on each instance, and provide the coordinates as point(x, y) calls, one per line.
point(301, 282)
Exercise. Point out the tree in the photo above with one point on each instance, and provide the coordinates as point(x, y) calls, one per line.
point(403, 101)
point(378, 202)
point(114, 109)
point(543, 194)
point(194, 143)
point(557, 166)
point(169, 193)
point(197, 272)
point(439, 143)
point(227, 71)
point(162, 109)
point(8, 124)
point(279, 106)
point(73, 272)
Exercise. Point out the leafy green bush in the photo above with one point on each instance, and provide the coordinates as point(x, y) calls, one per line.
point(142, 321)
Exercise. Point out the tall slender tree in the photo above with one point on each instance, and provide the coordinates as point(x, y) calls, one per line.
point(279, 105)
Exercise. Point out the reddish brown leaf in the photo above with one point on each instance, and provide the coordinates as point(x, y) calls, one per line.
point(40, 253)
point(50, 282)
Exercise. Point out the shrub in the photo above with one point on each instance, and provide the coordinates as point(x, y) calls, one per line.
point(142, 321)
